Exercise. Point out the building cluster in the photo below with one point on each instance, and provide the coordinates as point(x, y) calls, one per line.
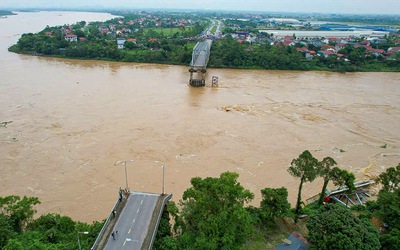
point(322, 43)
point(320, 40)
point(123, 30)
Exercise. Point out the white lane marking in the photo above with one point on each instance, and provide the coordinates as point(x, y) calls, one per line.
point(129, 232)
point(141, 202)
point(124, 242)
point(133, 221)
point(138, 210)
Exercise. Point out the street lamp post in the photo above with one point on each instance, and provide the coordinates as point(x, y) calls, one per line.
point(126, 172)
point(79, 242)
point(163, 175)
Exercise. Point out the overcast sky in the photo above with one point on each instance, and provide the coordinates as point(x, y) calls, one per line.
point(321, 6)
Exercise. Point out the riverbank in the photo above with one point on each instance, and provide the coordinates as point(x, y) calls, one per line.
point(281, 63)
point(5, 13)
point(135, 37)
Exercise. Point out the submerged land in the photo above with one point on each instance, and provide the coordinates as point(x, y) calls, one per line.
point(6, 13)
point(57, 122)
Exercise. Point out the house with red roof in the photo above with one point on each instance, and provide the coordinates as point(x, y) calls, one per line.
point(71, 38)
point(367, 47)
point(289, 43)
point(332, 39)
point(392, 50)
point(152, 40)
point(307, 54)
point(288, 38)
point(302, 49)
point(131, 40)
point(378, 52)
point(325, 53)
point(365, 42)
point(328, 47)
point(339, 46)
point(66, 31)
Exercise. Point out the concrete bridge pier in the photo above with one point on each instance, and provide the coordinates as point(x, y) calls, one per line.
point(197, 82)
point(198, 65)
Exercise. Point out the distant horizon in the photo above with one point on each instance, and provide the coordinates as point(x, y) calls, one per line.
point(343, 7)
point(105, 9)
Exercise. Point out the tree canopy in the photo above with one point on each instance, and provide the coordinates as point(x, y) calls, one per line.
point(340, 177)
point(335, 227)
point(19, 211)
point(390, 179)
point(306, 168)
point(274, 203)
point(213, 213)
point(18, 229)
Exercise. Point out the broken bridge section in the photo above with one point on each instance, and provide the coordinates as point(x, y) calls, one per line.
point(133, 222)
point(198, 65)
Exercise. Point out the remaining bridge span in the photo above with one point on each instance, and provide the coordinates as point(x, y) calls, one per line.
point(200, 57)
point(133, 222)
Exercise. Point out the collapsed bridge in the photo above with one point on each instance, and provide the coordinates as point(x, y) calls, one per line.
point(198, 65)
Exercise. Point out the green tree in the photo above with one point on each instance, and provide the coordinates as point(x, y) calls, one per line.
point(20, 211)
point(274, 202)
point(305, 167)
point(339, 176)
point(164, 239)
point(390, 179)
point(6, 230)
point(14, 244)
point(335, 227)
point(214, 215)
point(53, 226)
point(391, 240)
point(389, 207)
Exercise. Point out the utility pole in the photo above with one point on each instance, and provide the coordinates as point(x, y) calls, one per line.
point(126, 171)
point(163, 178)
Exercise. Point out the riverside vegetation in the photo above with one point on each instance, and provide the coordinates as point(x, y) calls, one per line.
point(171, 41)
point(213, 214)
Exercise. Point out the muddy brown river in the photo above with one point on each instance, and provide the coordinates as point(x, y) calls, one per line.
point(70, 120)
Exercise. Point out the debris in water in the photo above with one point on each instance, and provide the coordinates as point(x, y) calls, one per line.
point(4, 124)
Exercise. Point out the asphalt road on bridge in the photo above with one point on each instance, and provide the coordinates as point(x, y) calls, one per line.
point(133, 223)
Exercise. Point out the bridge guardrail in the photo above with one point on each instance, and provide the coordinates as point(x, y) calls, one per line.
point(167, 198)
point(103, 229)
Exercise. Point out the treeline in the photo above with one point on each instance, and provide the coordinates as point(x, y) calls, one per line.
point(225, 53)
point(6, 13)
point(172, 51)
point(19, 231)
point(212, 214)
point(228, 53)
point(362, 19)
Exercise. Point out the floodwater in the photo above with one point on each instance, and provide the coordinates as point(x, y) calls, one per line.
point(71, 120)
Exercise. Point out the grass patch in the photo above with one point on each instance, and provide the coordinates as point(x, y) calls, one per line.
point(165, 31)
point(213, 29)
point(268, 238)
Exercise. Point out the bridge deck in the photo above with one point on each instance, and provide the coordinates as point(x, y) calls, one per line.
point(201, 54)
point(133, 222)
point(135, 217)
